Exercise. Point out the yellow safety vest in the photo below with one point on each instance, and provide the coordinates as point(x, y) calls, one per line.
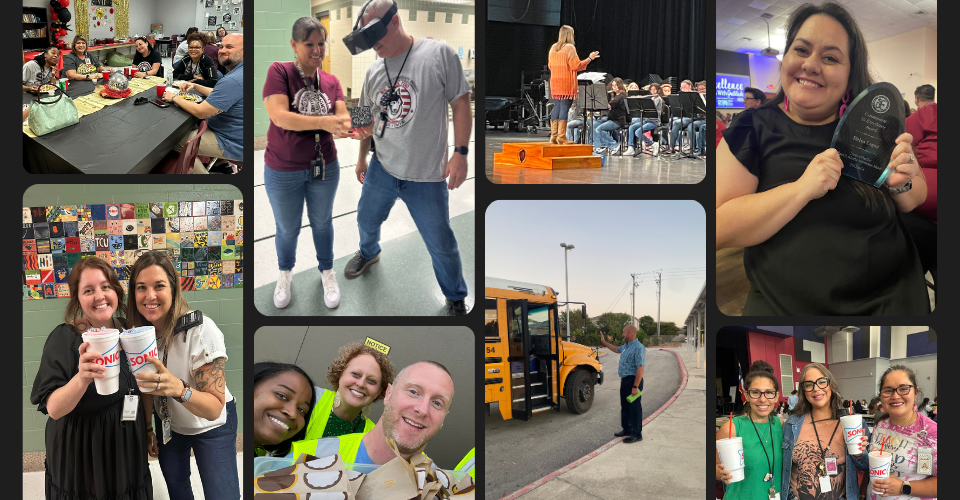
point(347, 447)
point(321, 414)
point(468, 463)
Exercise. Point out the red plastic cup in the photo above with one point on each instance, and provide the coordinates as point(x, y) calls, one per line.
point(133, 71)
point(161, 88)
point(106, 76)
point(126, 72)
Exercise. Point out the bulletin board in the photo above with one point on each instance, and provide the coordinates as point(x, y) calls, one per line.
point(203, 238)
point(226, 13)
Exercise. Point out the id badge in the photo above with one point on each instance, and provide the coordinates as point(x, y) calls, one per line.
point(925, 460)
point(831, 464)
point(317, 169)
point(381, 125)
point(130, 406)
point(776, 496)
point(825, 484)
point(167, 433)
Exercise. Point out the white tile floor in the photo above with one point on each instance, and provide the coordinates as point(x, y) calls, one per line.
point(33, 481)
point(346, 237)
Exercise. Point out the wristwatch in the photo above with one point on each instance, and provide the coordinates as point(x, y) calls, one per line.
point(905, 488)
point(636, 387)
point(185, 395)
point(462, 150)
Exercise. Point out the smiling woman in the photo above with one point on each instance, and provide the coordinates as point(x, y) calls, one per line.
point(283, 400)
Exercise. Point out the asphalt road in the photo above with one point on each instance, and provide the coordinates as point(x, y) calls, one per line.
point(518, 453)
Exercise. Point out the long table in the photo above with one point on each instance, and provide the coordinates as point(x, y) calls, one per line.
point(118, 139)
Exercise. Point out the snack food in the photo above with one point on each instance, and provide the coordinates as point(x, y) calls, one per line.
point(190, 97)
point(47, 88)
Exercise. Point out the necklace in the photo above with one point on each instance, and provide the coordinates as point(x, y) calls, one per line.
point(910, 421)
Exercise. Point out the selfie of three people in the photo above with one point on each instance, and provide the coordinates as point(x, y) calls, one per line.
point(371, 396)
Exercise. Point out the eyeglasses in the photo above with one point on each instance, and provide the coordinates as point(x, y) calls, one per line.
point(756, 393)
point(903, 390)
point(821, 382)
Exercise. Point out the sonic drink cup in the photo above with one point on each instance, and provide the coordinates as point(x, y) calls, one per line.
point(106, 341)
point(139, 344)
point(731, 456)
point(852, 432)
point(879, 465)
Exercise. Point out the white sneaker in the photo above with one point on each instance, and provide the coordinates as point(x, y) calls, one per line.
point(656, 148)
point(629, 151)
point(281, 294)
point(331, 291)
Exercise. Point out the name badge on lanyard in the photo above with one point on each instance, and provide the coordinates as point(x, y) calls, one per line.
point(925, 460)
point(167, 432)
point(130, 405)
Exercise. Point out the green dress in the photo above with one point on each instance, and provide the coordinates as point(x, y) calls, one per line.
point(756, 464)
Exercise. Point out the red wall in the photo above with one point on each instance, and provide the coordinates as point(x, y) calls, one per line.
point(769, 348)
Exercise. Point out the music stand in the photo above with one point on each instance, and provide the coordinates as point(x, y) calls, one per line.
point(592, 97)
point(693, 106)
point(676, 111)
point(641, 107)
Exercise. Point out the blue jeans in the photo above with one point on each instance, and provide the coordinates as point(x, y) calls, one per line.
point(639, 130)
point(635, 124)
point(573, 130)
point(429, 206)
point(603, 134)
point(631, 414)
point(287, 192)
point(216, 455)
point(675, 129)
point(701, 126)
point(561, 107)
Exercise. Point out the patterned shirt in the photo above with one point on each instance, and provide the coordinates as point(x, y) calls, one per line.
point(337, 426)
point(631, 358)
point(903, 443)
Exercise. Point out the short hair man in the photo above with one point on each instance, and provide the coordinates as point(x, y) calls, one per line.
point(793, 400)
point(630, 369)
point(408, 91)
point(222, 108)
point(753, 98)
point(922, 125)
point(686, 86)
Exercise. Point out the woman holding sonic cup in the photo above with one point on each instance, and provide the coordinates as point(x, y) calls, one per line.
point(83, 424)
point(189, 390)
point(903, 431)
point(762, 434)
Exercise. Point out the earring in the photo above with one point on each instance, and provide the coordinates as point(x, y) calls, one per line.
point(336, 400)
point(846, 98)
point(365, 411)
point(786, 102)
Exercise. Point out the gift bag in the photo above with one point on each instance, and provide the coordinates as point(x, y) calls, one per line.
point(46, 117)
point(322, 478)
point(394, 480)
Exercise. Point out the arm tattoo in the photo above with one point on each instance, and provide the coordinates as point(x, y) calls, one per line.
point(211, 376)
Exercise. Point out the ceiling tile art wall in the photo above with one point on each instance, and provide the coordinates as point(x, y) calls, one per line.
point(204, 239)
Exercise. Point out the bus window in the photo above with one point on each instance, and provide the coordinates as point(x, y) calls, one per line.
point(490, 318)
point(538, 320)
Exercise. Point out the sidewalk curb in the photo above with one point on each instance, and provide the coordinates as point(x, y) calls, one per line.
point(540, 482)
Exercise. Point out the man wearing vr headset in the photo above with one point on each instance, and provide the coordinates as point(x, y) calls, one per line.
point(408, 89)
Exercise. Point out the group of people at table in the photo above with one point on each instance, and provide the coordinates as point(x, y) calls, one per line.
point(223, 103)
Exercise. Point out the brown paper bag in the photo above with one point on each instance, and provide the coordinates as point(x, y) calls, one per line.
point(394, 480)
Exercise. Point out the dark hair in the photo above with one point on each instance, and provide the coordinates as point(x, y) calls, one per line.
point(305, 26)
point(192, 30)
point(352, 350)
point(198, 37)
point(859, 79)
point(74, 314)
point(759, 369)
point(267, 370)
point(803, 406)
point(925, 92)
point(906, 108)
point(178, 304)
point(794, 391)
point(913, 380)
point(149, 48)
point(756, 94)
point(41, 58)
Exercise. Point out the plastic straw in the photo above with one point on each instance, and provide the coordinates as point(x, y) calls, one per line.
point(881, 447)
point(730, 430)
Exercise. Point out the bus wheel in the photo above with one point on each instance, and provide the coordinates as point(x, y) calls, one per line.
point(579, 392)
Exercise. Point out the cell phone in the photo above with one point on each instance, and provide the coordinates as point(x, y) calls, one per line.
point(161, 104)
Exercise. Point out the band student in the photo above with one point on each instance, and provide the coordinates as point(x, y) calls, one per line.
point(408, 94)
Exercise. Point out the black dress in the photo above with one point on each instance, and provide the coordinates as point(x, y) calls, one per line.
point(91, 454)
point(836, 257)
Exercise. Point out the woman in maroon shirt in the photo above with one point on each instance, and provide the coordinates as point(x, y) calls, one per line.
point(307, 113)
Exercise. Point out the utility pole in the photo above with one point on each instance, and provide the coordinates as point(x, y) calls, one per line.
point(633, 300)
point(659, 275)
point(566, 274)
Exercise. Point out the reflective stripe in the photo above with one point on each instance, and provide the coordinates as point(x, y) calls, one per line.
point(347, 446)
point(321, 414)
point(468, 463)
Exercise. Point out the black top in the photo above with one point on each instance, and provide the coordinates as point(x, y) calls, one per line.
point(186, 70)
point(618, 110)
point(145, 64)
point(836, 257)
point(91, 454)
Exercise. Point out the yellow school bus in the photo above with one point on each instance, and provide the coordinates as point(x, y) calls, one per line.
point(527, 368)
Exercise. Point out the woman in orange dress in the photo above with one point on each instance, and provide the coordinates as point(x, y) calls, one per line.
point(564, 64)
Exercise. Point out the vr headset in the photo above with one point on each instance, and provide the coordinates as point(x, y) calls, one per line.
point(366, 37)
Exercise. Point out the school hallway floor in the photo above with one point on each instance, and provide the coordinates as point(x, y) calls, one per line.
point(33, 481)
point(401, 283)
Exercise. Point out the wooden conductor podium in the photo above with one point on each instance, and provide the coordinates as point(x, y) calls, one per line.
point(545, 155)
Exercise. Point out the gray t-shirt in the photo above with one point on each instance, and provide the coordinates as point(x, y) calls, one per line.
point(181, 52)
point(414, 144)
point(35, 76)
point(71, 61)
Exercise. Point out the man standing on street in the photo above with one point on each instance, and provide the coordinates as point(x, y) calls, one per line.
point(631, 382)
point(793, 400)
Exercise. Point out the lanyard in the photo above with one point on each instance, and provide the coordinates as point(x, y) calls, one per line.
point(773, 465)
point(823, 453)
point(391, 96)
point(314, 101)
point(166, 413)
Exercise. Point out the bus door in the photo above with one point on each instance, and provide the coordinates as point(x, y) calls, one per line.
point(531, 358)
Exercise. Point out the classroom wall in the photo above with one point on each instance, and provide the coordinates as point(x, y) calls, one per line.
point(177, 15)
point(273, 22)
point(40, 317)
point(907, 60)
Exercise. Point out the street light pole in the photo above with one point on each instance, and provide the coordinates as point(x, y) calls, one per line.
point(566, 275)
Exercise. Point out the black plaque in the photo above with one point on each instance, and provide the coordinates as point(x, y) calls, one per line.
point(867, 132)
point(361, 116)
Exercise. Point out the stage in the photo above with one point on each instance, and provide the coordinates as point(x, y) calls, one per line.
point(616, 169)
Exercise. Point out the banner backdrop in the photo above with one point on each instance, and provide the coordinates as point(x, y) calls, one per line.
point(730, 90)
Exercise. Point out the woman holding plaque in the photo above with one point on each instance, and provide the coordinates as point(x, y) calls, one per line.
point(909, 435)
point(307, 112)
point(193, 407)
point(817, 242)
point(90, 452)
point(564, 64)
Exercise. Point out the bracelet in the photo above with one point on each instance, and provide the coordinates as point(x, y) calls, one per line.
point(900, 190)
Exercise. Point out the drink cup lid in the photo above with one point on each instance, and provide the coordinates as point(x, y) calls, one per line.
point(881, 454)
point(139, 329)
